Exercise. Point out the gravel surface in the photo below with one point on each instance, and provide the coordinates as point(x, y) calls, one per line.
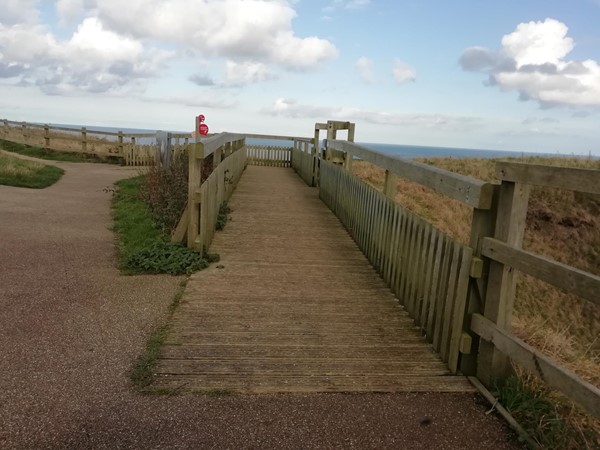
point(71, 328)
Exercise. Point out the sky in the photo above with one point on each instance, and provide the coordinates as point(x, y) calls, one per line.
point(519, 75)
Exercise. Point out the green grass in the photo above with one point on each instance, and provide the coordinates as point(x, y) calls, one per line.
point(143, 245)
point(544, 416)
point(28, 174)
point(51, 155)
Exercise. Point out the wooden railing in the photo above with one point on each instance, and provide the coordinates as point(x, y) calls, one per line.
point(425, 268)
point(460, 296)
point(135, 149)
point(304, 160)
point(506, 257)
point(205, 197)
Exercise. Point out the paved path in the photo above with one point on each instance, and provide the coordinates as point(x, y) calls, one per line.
point(294, 306)
point(71, 328)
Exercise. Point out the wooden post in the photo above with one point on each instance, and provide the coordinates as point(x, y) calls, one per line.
point(482, 225)
point(120, 146)
point(24, 132)
point(348, 158)
point(390, 185)
point(134, 155)
point(511, 214)
point(46, 137)
point(196, 158)
point(83, 140)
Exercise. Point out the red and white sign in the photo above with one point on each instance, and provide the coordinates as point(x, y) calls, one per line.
point(203, 129)
point(201, 118)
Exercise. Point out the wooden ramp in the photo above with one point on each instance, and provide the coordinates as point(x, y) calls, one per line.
point(293, 306)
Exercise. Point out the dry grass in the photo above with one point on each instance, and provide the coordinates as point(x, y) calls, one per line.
point(30, 174)
point(562, 225)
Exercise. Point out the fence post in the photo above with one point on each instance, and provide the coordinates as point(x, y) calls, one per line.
point(46, 137)
point(196, 158)
point(24, 132)
point(511, 214)
point(482, 225)
point(390, 185)
point(120, 147)
point(83, 140)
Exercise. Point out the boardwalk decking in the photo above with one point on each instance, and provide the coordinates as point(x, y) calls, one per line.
point(293, 306)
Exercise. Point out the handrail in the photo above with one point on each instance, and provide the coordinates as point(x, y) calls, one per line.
point(471, 191)
point(273, 137)
point(572, 179)
point(215, 142)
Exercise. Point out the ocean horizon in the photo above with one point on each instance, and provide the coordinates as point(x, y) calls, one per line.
point(401, 150)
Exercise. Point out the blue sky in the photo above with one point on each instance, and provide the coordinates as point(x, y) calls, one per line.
point(513, 75)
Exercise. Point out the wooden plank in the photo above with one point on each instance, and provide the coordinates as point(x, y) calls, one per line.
point(449, 302)
point(217, 141)
point(472, 192)
point(430, 261)
point(539, 364)
point(567, 278)
point(573, 179)
point(438, 305)
point(458, 315)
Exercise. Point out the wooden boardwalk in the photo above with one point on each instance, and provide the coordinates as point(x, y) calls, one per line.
point(293, 306)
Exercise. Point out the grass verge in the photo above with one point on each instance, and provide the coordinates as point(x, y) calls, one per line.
point(143, 245)
point(28, 174)
point(52, 155)
point(142, 374)
point(553, 422)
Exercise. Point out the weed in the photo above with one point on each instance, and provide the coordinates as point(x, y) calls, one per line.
point(29, 174)
point(166, 257)
point(142, 373)
point(223, 216)
point(546, 417)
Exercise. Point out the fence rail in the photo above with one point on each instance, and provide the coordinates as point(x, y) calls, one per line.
point(269, 155)
point(135, 149)
point(205, 197)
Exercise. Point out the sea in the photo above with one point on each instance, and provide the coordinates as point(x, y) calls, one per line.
point(403, 151)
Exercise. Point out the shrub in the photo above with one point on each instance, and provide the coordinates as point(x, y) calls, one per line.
point(165, 191)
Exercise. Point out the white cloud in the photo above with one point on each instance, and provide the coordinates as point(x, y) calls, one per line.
point(403, 73)
point(364, 66)
point(538, 43)
point(92, 60)
point(240, 30)
point(239, 74)
point(290, 108)
point(532, 61)
point(68, 10)
point(18, 11)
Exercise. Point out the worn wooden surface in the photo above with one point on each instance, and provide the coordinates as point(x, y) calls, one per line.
point(293, 306)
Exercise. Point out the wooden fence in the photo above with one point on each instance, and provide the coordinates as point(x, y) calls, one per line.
point(205, 198)
point(269, 155)
point(461, 296)
point(426, 269)
point(304, 160)
point(134, 149)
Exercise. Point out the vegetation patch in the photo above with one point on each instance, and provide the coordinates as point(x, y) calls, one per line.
point(549, 420)
point(165, 191)
point(52, 155)
point(143, 371)
point(144, 246)
point(223, 216)
point(29, 174)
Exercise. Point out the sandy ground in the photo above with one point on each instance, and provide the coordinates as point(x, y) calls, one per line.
point(71, 328)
